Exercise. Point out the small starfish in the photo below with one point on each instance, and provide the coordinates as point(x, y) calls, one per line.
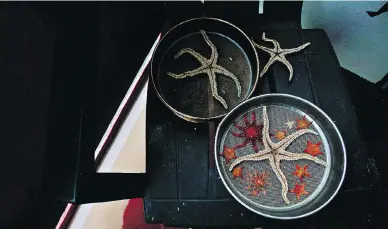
point(301, 172)
point(290, 124)
point(313, 149)
point(257, 182)
point(278, 54)
point(302, 123)
point(209, 67)
point(237, 172)
point(275, 152)
point(280, 135)
point(228, 154)
point(299, 190)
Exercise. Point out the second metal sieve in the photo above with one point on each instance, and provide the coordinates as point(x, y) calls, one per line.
point(280, 156)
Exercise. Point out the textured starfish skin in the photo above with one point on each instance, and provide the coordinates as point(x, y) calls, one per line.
point(208, 66)
point(275, 152)
point(251, 132)
point(278, 54)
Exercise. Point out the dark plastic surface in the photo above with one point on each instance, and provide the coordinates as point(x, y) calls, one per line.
point(180, 153)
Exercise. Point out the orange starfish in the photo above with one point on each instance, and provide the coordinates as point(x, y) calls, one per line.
point(228, 154)
point(257, 183)
point(313, 149)
point(237, 172)
point(301, 172)
point(302, 123)
point(254, 193)
point(299, 190)
point(280, 135)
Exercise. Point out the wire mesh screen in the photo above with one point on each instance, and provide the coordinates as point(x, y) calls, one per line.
point(275, 156)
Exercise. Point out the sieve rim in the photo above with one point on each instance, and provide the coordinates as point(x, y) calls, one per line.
point(191, 118)
point(216, 153)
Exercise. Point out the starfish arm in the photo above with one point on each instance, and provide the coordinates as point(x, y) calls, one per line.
point(267, 142)
point(268, 50)
point(290, 138)
point(213, 85)
point(188, 73)
point(247, 124)
point(283, 60)
point(239, 127)
point(297, 49)
point(260, 156)
point(271, 60)
point(195, 54)
point(283, 180)
point(214, 55)
point(288, 156)
point(255, 147)
point(275, 43)
point(253, 118)
point(225, 72)
point(241, 145)
point(240, 135)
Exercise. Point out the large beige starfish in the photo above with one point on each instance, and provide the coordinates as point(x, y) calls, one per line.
point(275, 152)
point(209, 67)
point(278, 54)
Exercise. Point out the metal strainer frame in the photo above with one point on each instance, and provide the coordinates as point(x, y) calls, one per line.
point(337, 155)
point(195, 24)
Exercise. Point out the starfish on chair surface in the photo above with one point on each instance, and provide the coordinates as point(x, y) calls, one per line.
point(278, 54)
point(208, 66)
point(275, 152)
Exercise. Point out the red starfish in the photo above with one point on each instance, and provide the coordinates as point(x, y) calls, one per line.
point(313, 149)
point(299, 190)
point(303, 123)
point(252, 132)
point(301, 172)
point(228, 154)
point(237, 172)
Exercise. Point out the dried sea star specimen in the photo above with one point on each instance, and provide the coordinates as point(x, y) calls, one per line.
point(257, 182)
point(228, 154)
point(208, 66)
point(303, 123)
point(290, 124)
point(237, 172)
point(276, 152)
point(278, 54)
point(280, 135)
point(313, 149)
point(301, 172)
point(251, 132)
point(299, 190)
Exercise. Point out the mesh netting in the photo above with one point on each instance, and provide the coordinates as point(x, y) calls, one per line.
point(257, 180)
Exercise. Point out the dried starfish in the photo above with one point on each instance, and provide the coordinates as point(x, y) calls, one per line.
point(275, 152)
point(278, 54)
point(290, 124)
point(209, 67)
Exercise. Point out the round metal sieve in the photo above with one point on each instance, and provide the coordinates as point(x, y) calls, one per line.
point(280, 156)
point(204, 67)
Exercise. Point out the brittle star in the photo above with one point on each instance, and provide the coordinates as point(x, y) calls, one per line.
point(275, 152)
point(278, 54)
point(209, 67)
